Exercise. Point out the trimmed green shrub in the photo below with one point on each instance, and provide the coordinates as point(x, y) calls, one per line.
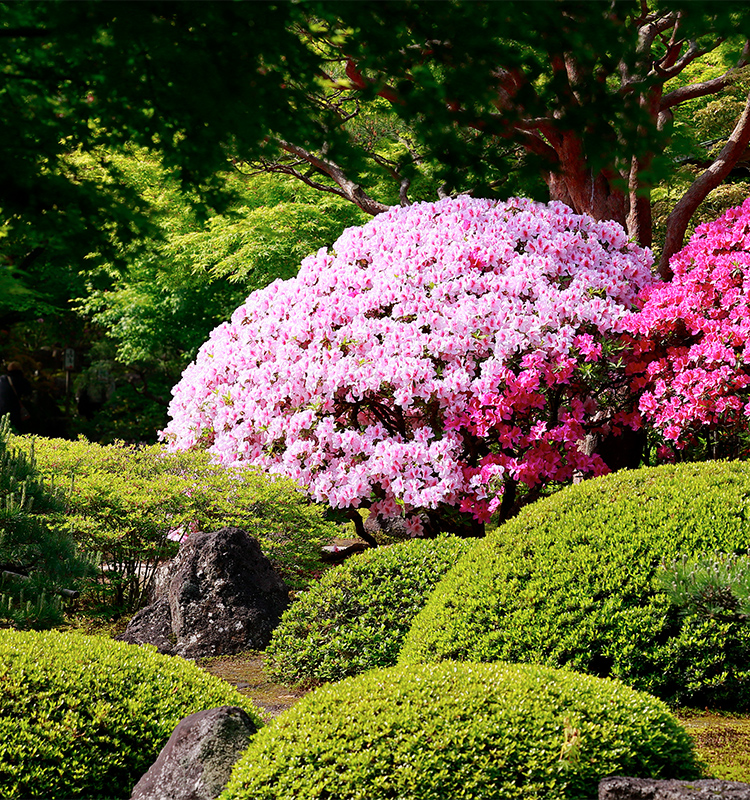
point(460, 730)
point(129, 502)
point(355, 617)
point(85, 717)
point(37, 560)
point(572, 581)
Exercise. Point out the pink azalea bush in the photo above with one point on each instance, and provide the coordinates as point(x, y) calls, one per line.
point(430, 360)
point(694, 352)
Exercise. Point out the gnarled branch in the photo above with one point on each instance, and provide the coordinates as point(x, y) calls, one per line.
point(348, 188)
point(677, 221)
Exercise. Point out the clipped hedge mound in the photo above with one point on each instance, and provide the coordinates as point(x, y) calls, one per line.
point(85, 717)
point(460, 730)
point(571, 581)
point(356, 616)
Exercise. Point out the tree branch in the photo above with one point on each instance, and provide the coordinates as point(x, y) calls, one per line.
point(651, 29)
point(349, 189)
point(692, 91)
point(359, 526)
point(677, 221)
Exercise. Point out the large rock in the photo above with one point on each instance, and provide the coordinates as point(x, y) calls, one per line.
point(152, 625)
point(197, 761)
point(219, 595)
point(647, 789)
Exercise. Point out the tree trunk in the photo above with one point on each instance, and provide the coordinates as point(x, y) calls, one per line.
point(576, 185)
point(678, 220)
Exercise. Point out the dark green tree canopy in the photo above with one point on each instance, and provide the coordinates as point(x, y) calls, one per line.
point(198, 82)
point(377, 102)
point(581, 94)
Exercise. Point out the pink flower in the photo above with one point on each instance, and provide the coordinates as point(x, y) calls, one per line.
point(428, 337)
point(701, 376)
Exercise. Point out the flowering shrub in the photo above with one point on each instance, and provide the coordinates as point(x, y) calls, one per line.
point(431, 360)
point(695, 350)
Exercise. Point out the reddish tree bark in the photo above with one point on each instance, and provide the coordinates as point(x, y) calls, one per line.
point(620, 190)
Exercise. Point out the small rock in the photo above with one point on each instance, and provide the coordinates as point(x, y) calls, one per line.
point(617, 788)
point(196, 762)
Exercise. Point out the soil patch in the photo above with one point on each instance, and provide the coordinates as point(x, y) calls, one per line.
point(245, 672)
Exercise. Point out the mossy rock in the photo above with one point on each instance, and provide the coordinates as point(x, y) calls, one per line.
point(571, 582)
point(85, 717)
point(460, 730)
point(356, 616)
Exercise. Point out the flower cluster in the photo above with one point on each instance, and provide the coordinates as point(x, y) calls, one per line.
point(427, 359)
point(694, 352)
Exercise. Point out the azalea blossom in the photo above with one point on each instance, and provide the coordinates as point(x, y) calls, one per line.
point(694, 356)
point(427, 361)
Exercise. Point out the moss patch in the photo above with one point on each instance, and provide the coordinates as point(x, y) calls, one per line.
point(245, 671)
point(722, 740)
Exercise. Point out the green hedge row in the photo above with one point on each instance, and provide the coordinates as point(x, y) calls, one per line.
point(85, 717)
point(572, 581)
point(459, 730)
point(37, 558)
point(356, 616)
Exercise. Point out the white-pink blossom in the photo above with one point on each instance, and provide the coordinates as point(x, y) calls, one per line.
point(423, 361)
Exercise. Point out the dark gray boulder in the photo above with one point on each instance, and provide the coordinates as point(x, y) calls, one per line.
point(196, 762)
point(617, 788)
point(152, 625)
point(219, 595)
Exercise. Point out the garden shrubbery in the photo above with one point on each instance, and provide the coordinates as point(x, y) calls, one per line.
point(355, 617)
point(573, 581)
point(130, 504)
point(37, 559)
point(429, 363)
point(84, 717)
point(462, 730)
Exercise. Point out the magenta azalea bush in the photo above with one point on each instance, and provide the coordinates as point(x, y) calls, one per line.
point(431, 360)
point(695, 347)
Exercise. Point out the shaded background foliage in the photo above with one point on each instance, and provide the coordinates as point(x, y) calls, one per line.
point(134, 214)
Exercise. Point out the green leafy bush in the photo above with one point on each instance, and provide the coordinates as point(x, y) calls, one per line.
point(37, 561)
point(459, 730)
point(125, 502)
point(355, 617)
point(572, 581)
point(84, 716)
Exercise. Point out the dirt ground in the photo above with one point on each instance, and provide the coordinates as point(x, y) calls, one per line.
point(245, 671)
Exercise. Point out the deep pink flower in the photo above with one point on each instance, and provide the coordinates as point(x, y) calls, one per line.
point(695, 363)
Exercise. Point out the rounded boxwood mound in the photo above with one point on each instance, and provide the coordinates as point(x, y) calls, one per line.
point(571, 581)
point(356, 616)
point(84, 716)
point(460, 730)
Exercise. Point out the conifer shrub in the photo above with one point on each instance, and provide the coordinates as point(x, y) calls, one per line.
point(355, 617)
point(38, 561)
point(85, 717)
point(573, 581)
point(461, 730)
point(132, 505)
